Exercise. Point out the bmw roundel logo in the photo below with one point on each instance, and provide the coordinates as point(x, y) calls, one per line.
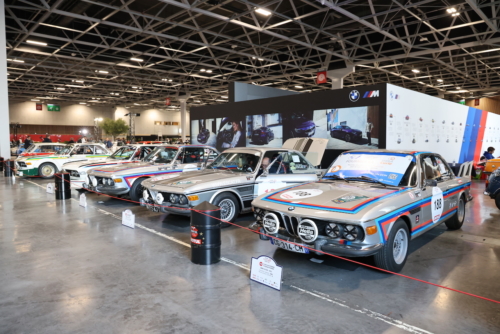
point(354, 95)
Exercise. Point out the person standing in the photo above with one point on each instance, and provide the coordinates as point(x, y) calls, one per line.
point(47, 139)
point(108, 143)
point(27, 142)
point(368, 130)
point(488, 154)
point(71, 141)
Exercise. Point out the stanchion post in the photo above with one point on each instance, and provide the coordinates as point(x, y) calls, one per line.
point(10, 165)
point(1, 164)
point(62, 186)
point(205, 234)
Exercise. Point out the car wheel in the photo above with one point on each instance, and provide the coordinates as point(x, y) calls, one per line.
point(347, 137)
point(47, 170)
point(393, 255)
point(229, 208)
point(456, 222)
point(137, 189)
point(497, 201)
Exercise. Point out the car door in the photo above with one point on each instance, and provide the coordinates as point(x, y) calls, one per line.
point(449, 183)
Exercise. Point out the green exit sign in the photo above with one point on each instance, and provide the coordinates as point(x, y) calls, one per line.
point(53, 107)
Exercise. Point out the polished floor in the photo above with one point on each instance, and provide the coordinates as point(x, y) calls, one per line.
point(69, 269)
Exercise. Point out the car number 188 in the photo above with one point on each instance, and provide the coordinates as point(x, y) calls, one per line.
point(290, 247)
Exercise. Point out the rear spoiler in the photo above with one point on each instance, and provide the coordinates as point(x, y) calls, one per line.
point(312, 148)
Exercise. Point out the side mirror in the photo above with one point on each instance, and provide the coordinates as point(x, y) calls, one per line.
point(431, 183)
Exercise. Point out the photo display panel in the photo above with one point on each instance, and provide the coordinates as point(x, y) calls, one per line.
point(350, 118)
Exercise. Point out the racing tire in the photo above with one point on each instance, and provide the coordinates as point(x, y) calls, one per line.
point(137, 189)
point(497, 201)
point(393, 255)
point(457, 220)
point(229, 208)
point(347, 137)
point(47, 170)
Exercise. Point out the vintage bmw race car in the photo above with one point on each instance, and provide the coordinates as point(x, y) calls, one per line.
point(40, 149)
point(165, 160)
point(493, 187)
point(125, 155)
point(236, 177)
point(47, 166)
point(370, 202)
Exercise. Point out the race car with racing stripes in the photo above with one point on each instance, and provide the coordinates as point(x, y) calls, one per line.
point(166, 161)
point(124, 155)
point(368, 203)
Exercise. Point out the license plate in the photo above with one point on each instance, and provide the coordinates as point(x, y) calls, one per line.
point(289, 247)
point(20, 173)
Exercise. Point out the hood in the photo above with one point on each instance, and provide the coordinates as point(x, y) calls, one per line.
point(362, 201)
point(312, 148)
point(94, 163)
point(121, 168)
point(188, 182)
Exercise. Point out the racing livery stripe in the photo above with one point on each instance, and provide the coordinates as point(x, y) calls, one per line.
point(130, 178)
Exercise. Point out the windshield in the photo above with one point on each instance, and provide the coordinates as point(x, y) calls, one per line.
point(237, 162)
point(31, 149)
point(66, 150)
point(395, 169)
point(123, 153)
point(162, 155)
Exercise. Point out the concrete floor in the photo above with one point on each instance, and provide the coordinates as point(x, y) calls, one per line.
point(67, 269)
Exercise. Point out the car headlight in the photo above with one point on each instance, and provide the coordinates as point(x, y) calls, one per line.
point(174, 198)
point(145, 194)
point(183, 200)
point(82, 173)
point(497, 172)
point(332, 230)
point(351, 232)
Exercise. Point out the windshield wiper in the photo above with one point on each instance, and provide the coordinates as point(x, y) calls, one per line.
point(369, 179)
point(335, 177)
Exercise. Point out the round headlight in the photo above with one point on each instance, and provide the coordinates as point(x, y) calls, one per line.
point(183, 200)
point(105, 181)
point(145, 194)
point(332, 230)
point(174, 198)
point(351, 232)
point(307, 230)
point(271, 223)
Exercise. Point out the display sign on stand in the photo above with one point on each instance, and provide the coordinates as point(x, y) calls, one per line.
point(83, 200)
point(128, 219)
point(266, 271)
point(50, 188)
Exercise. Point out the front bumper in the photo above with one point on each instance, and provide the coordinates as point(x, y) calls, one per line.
point(27, 171)
point(326, 245)
point(166, 207)
point(109, 190)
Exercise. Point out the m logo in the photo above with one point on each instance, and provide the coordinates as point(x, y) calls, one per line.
point(372, 93)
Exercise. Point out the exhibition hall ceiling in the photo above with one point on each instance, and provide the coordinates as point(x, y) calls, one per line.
point(139, 52)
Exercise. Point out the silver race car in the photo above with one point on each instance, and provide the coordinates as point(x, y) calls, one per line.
point(124, 155)
point(369, 202)
point(165, 160)
point(236, 177)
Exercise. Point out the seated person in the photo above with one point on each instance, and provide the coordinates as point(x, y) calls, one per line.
point(263, 165)
point(278, 167)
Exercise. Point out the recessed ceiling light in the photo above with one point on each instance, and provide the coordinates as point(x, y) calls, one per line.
point(136, 59)
point(35, 42)
point(299, 87)
point(263, 11)
point(415, 70)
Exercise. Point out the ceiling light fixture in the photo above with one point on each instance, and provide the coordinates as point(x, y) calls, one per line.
point(202, 70)
point(261, 59)
point(83, 102)
point(209, 71)
point(300, 87)
point(134, 86)
point(61, 88)
point(451, 10)
point(18, 61)
point(104, 72)
point(224, 96)
point(263, 11)
point(415, 70)
point(35, 42)
point(35, 100)
point(136, 59)
point(439, 80)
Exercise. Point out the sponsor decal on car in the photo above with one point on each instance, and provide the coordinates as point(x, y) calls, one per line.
point(348, 198)
point(302, 193)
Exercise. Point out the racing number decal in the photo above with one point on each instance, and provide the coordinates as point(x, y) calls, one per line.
point(437, 204)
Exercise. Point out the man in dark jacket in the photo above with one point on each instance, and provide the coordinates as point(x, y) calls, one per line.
point(27, 142)
point(71, 141)
point(489, 153)
point(47, 139)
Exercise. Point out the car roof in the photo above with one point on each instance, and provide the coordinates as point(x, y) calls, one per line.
point(387, 151)
point(252, 150)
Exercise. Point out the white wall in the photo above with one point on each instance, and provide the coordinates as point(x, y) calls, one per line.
point(145, 124)
point(70, 114)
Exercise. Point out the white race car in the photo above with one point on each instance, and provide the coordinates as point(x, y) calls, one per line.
point(47, 166)
point(126, 154)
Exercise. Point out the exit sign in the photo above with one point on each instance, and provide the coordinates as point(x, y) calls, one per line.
point(53, 107)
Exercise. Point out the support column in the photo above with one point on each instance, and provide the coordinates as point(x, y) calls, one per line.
point(4, 91)
point(183, 99)
point(337, 76)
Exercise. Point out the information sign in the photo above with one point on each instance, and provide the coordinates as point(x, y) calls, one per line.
point(128, 219)
point(266, 271)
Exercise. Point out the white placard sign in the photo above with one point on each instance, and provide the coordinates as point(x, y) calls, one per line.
point(437, 204)
point(83, 200)
point(128, 219)
point(50, 188)
point(265, 271)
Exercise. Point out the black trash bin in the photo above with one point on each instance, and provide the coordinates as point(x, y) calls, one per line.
point(205, 234)
point(10, 165)
point(62, 186)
